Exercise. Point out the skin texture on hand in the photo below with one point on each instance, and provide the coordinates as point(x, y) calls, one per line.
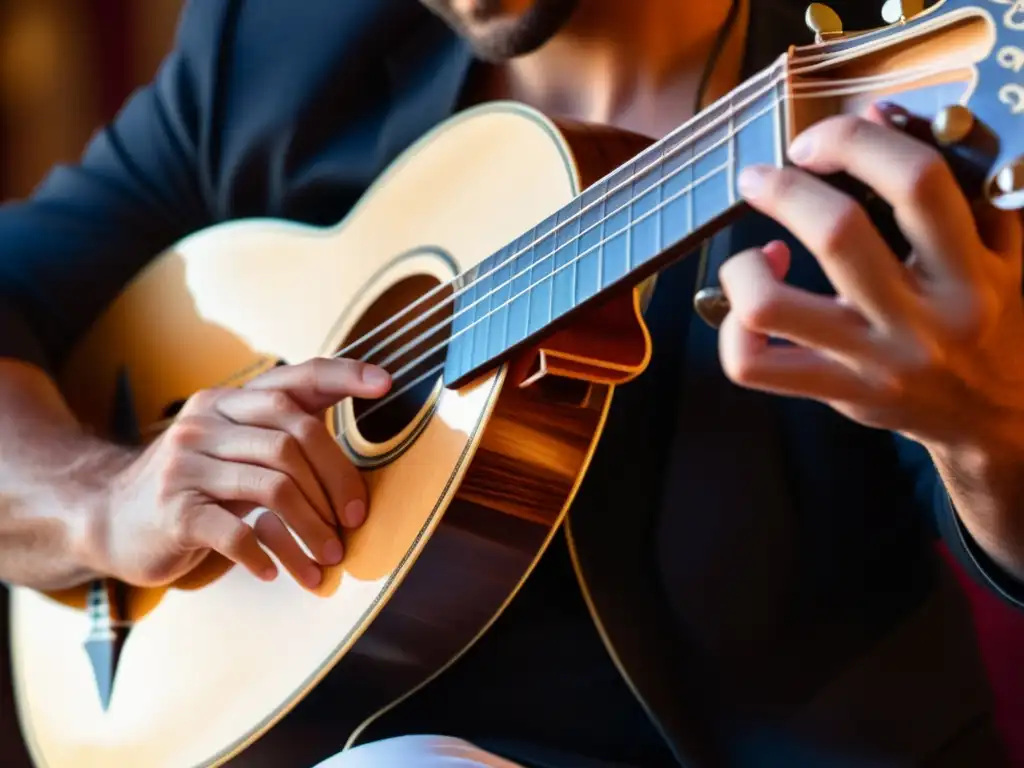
point(228, 453)
point(932, 349)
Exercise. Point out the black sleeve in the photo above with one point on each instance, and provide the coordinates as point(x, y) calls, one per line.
point(67, 250)
point(932, 496)
point(982, 568)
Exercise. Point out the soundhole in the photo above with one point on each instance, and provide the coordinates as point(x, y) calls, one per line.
point(405, 331)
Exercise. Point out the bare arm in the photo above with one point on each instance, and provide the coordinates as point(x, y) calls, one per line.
point(51, 471)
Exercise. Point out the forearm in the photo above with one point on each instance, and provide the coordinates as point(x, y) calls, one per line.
point(51, 471)
point(987, 491)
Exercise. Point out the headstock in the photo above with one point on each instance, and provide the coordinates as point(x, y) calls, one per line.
point(959, 63)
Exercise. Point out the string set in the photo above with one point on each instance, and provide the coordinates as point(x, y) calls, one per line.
point(772, 76)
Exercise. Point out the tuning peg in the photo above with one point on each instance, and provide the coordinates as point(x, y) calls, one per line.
point(1010, 186)
point(901, 11)
point(823, 22)
point(968, 145)
point(711, 305)
point(1011, 178)
point(952, 125)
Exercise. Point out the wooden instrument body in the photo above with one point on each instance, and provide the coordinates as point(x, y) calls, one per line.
point(459, 513)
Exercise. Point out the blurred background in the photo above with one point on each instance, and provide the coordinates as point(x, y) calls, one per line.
point(65, 68)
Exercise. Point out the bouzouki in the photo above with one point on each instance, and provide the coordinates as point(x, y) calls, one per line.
point(506, 303)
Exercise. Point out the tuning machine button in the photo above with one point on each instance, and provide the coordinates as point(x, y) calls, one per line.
point(952, 125)
point(971, 149)
point(1011, 179)
point(968, 145)
point(711, 305)
point(823, 22)
point(901, 11)
point(1009, 186)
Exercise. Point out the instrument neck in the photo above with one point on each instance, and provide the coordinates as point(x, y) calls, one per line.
point(633, 222)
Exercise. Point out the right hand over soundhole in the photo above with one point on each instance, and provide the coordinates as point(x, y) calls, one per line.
point(228, 453)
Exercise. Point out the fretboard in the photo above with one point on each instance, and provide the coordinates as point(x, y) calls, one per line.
point(645, 214)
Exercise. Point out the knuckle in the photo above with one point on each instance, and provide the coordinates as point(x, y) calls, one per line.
point(171, 475)
point(308, 428)
point(182, 528)
point(285, 449)
point(280, 490)
point(781, 182)
point(235, 540)
point(167, 480)
point(844, 129)
point(279, 401)
point(186, 433)
point(971, 318)
point(928, 178)
point(918, 363)
point(202, 401)
point(763, 311)
point(844, 227)
point(312, 372)
point(889, 388)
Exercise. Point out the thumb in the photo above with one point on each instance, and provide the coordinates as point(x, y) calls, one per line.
point(777, 254)
point(323, 381)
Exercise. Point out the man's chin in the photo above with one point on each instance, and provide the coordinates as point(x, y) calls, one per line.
point(498, 30)
point(479, 11)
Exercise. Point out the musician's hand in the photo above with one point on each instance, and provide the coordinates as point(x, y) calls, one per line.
point(933, 350)
point(228, 453)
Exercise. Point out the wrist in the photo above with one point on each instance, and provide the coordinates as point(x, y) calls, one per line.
point(89, 499)
point(985, 486)
point(989, 446)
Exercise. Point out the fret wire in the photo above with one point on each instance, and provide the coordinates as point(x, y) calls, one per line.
point(664, 150)
point(441, 367)
point(777, 127)
point(408, 367)
point(660, 222)
point(777, 123)
point(707, 116)
point(688, 192)
point(576, 256)
point(600, 247)
point(531, 254)
point(731, 143)
point(691, 214)
point(487, 331)
point(551, 294)
point(508, 314)
point(629, 232)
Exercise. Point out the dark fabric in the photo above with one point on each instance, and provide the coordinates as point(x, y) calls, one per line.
point(758, 563)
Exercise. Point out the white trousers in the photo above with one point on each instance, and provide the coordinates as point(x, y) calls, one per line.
point(417, 752)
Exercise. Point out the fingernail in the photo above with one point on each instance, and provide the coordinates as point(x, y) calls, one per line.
point(333, 552)
point(751, 180)
point(354, 514)
point(894, 113)
point(801, 148)
point(269, 574)
point(375, 375)
point(311, 576)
